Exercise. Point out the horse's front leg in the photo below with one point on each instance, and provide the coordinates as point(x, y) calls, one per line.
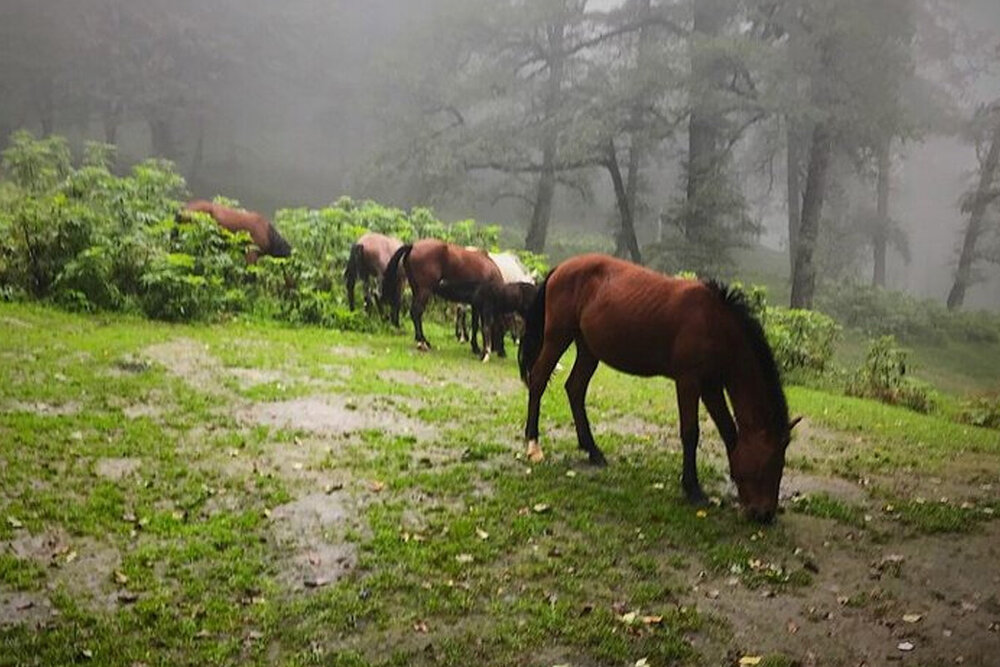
point(688, 394)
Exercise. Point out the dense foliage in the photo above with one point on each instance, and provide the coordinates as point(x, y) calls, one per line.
point(82, 237)
point(880, 312)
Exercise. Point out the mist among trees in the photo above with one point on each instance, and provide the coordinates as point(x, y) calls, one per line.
point(850, 139)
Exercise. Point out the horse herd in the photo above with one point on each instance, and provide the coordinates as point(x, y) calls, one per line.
point(701, 334)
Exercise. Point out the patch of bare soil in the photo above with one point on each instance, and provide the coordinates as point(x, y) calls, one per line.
point(332, 415)
point(346, 352)
point(926, 601)
point(43, 409)
point(83, 567)
point(15, 322)
point(251, 377)
point(794, 484)
point(412, 378)
point(117, 468)
point(189, 360)
point(312, 528)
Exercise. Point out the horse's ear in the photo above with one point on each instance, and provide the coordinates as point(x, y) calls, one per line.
point(792, 424)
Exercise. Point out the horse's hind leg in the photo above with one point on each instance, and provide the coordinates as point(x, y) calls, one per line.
point(576, 391)
point(688, 392)
point(474, 334)
point(420, 300)
point(538, 380)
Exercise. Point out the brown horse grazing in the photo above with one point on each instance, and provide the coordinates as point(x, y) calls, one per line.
point(369, 258)
point(702, 335)
point(429, 264)
point(263, 233)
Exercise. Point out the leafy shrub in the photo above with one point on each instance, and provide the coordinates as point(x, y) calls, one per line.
point(88, 240)
point(981, 411)
point(801, 339)
point(883, 377)
point(880, 312)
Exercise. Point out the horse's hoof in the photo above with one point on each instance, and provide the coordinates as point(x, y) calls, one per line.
point(698, 499)
point(598, 460)
point(486, 358)
point(534, 453)
point(423, 347)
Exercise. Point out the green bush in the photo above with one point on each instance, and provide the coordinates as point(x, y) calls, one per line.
point(981, 411)
point(88, 240)
point(801, 339)
point(883, 377)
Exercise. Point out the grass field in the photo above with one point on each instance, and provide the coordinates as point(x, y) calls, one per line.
point(249, 493)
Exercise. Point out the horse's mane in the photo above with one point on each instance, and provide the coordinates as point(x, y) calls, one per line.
point(736, 301)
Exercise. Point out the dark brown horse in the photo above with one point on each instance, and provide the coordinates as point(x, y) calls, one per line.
point(430, 265)
point(262, 232)
point(368, 261)
point(702, 335)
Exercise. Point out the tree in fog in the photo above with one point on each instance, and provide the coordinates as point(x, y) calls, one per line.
point(979, 202)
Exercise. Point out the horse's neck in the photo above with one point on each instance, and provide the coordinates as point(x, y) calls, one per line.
point(748, 391)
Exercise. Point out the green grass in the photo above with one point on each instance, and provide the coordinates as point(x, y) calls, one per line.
point(501, 563)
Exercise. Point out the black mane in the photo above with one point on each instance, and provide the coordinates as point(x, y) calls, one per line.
point(736, 300)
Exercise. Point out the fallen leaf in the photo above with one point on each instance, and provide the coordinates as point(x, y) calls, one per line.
point(71, 556)
point(120, 577)
point(792, 627)
point(658, 486)
point(376, 487)
point(905, 646)
point(629, 618)
point(482, 534)
point(652, 620)
point(87, 654)
point(642, 662)
point(14, 523)
point(750, 660)
point(540, 508)
point(712, 594)
point(421, 627)
point(912, 618)
point(464, 558)
point(571, 473)
point(701, 514)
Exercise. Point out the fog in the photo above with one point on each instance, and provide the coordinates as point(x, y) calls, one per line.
point(297, 103)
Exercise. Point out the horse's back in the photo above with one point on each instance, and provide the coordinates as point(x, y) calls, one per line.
point(511, 268)
point(378, 249)
point(632, 318)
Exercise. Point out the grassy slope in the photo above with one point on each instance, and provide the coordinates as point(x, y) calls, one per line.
point(189, 531)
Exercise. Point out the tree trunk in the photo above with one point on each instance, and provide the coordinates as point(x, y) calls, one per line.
point(45, 105)
point(542, 211)
point(161, 137)
point(804, 271)
point(626, 235)
point(793, 134)
point(194, 173)
point(881, 237)
point(638, 135)
point(704, 125)
point(977, 212)
point(111, 119)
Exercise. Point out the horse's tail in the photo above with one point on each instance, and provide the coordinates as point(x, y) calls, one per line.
point(534, 333)
point(277, 246)
point(351, 272)
point(390, 281)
